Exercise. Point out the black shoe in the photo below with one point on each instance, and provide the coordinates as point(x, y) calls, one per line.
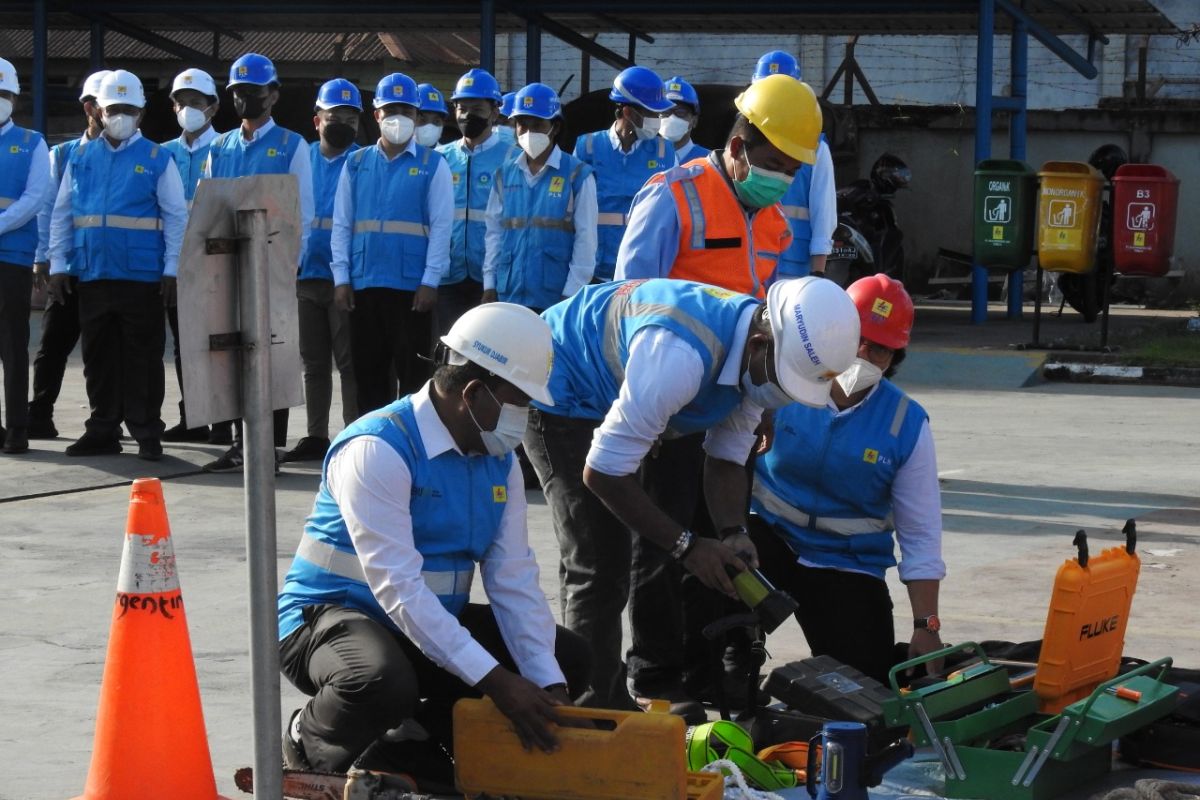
point(428, 763)
point(91, 444)
point(294, 756)
point(221, 433)
point(150, 450)
point(41, 429)
point(231, 461)
point(681, 705)
point(310, 448)
point(179, 433)
point(16, 440)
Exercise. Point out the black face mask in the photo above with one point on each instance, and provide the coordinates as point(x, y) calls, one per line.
point(472, 126)
point(249, 107)
point(339, 135)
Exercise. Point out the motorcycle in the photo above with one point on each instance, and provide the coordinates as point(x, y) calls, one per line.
point(867, 239)
point(1086, 293)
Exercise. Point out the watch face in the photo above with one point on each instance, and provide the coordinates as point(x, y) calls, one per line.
point(932, 623)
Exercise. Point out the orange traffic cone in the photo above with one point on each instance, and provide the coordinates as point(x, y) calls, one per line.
point(150, 740)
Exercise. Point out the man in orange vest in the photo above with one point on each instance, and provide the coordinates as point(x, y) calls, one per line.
point(720, 222)
point(715, 221)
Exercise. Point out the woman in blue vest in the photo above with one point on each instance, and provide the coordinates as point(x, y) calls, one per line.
point(541, 215)
point(374, 616)
point(676, 125)
point(839, 483)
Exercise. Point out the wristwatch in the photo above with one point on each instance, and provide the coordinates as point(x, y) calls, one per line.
point(732, 530)
point(930, 623)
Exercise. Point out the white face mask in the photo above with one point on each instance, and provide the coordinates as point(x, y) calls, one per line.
point(191, 119)
point(674, 128)
point(533, 143)
point(120, 126)
point(649, 129)
point(397, 128)
point(510, 427)
point(6, 107)
point(861, 375)
point(428, 135)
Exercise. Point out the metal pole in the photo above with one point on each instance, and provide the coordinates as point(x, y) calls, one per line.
point(39, 65)
point(97, 45)
point(1037, 308)
point(983, 138)
point(1019, 68)
point(259, 449)
point(533, 53)
point(487, 35)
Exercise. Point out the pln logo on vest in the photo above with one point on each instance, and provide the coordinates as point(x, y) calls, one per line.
point(652, 164)
point(499, 494)
point(139, 169)
point(455, 178)
point(14, 148)
point(556, 184)
point(414, 171)
point(870, 456)
point(272, 152)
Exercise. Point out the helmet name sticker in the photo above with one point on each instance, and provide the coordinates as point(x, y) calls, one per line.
point(500, 358)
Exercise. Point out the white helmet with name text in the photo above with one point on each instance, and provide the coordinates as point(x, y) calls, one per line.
point(815, 327)
point(121, 88)
point(509, 341)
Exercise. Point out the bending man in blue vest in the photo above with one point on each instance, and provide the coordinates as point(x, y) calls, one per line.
point(194, 95)
point(392, 218)
point(541, 216)
point(838, 482)
point(374, 614)
point(638, 361)
point(260, 147)
point(474, 160)
point(325, 327)
point(625, 155)
point(121, 210)
point(24, 182)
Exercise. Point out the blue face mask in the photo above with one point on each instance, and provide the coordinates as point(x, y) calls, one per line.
point(761, 187)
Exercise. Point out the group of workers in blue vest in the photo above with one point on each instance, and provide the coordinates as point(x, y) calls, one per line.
point(644, 317)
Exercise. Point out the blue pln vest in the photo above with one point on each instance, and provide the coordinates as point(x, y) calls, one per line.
point(325, 175)
point(114, 200)
point(619, 176)
point(16, 155)
point(456, 504)
point(60, 157)
point(231, 156)
point(826, 483)
point(592, 331)
point(473, 174)
point(391, 217)
point(190, 163)
point(796, 261)
point(539, 231)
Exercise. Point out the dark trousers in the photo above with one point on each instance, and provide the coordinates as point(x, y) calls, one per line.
point(173, 322)
point(366, 678)
point(60, 333)
point(594, 550)
point(324, 340)
point(16, 283)
point(454, 300)
point(121, 324)
point(387, 335)
point(846, 615)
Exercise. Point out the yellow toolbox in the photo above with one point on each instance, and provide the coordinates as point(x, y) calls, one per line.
point(628, 755)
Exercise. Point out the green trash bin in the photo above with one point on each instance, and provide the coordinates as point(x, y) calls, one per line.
point(1005, 211)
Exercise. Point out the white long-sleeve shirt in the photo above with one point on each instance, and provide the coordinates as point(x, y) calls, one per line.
point(372, 486)
point(647, 401)
point(822, 203)
point(172, 209)
point(47, 209)
point(583, 251)
point(439, 202)
point(37, 186)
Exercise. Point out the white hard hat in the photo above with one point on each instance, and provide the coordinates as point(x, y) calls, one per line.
point(815, 326)
point(195, 79)
point(121, 87)
point(91, 86)
point(8, 77)
point(509, 341)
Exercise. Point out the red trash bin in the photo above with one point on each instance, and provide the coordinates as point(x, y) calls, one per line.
point(1145, 198)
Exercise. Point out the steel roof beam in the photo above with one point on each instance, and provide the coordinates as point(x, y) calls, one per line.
point(1054, 44)
point(151, 38)
point(577, 40)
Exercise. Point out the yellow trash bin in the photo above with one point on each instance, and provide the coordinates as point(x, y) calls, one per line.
point(1069, 201)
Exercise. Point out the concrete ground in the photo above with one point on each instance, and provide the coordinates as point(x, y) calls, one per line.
point(1023, 467)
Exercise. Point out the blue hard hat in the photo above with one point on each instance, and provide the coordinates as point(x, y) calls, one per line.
point(431, 99)
point(680, 91)
point(776, 62)
point(396, 88)
point(253, 69)
point(506, 103)
point(477, 83)
point(537, 100)
point(640, 86)
point(338, 92)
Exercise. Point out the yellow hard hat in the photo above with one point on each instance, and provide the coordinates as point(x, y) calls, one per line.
point(787, 113)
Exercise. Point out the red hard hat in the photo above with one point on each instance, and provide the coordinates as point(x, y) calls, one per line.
point(885, 309)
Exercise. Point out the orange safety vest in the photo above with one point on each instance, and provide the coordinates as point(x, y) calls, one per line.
point(716, 246)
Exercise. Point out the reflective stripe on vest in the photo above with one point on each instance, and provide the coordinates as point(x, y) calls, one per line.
point(118, 221)
point(390, 226)
point(610, 218)
point(621, 307)
point(322, 223)
point(513, 223)
point(346, 565)
point(842, 526)
point(795, 212)
point(697, 214)
point(901, 413)
point(471, 214)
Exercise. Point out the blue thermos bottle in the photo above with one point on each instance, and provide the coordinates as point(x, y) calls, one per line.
point(846, 771)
